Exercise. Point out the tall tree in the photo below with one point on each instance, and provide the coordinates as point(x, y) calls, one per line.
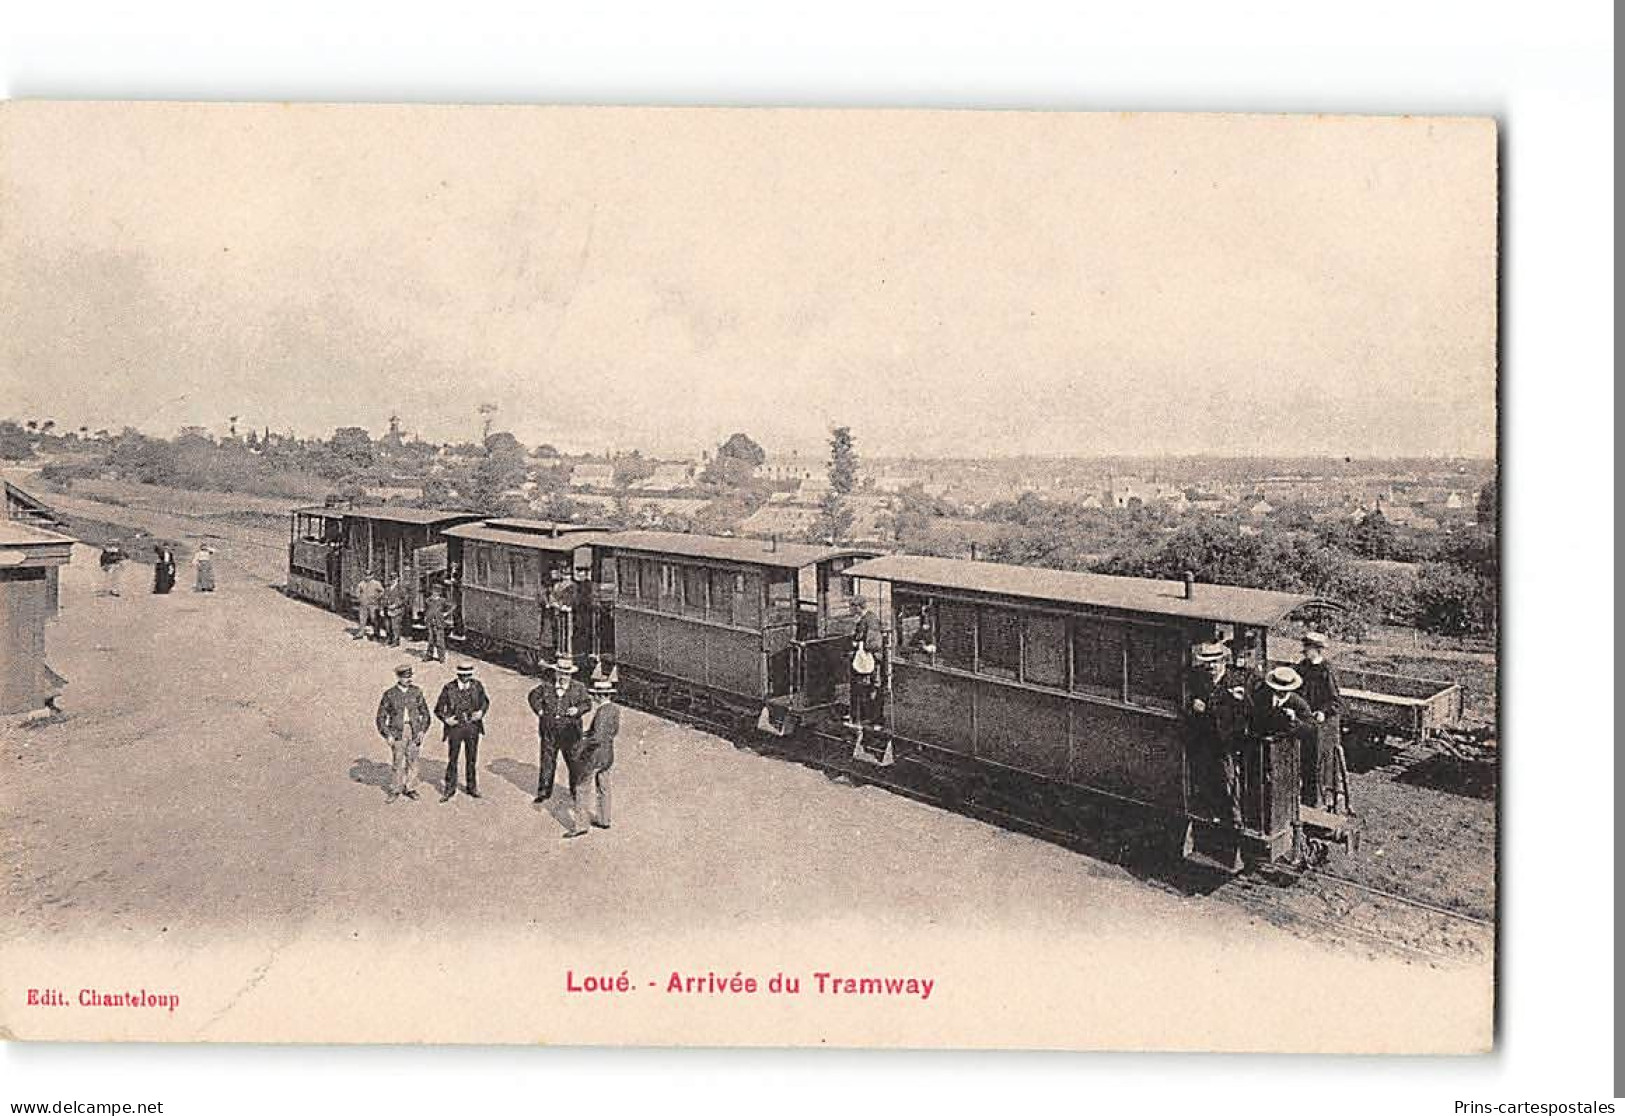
point(836, 517)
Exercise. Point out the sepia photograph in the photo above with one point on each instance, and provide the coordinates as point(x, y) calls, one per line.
point(743, 577)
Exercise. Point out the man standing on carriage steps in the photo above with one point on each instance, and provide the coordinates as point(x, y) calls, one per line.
point(559, 705)
point(1325, 700)
point(1216, 719)
point(461, 708)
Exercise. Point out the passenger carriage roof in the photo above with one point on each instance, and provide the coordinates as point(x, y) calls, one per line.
point(543, 526)
point(1225, 603)
point(528, 540)
point(752, 552)
point(414, 517)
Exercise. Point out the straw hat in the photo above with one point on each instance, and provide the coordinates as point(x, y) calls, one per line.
point(1313, 639)
point(565, 665)
point(465, 669)
point(1283, 680)
point(1209, 653)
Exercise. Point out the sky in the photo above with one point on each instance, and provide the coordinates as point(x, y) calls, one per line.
point(945, 283)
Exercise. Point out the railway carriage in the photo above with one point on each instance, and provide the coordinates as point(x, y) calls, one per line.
point(525, 587)
point(390, 541)
point(316, 556)
point(758, 629)
point(1075, 680)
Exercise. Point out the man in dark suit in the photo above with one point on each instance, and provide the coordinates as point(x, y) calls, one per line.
point(461, 708)
point(589, 762)
point(403, 718)
point(1217, 711)
point(558, 705)
point(1278, 710)
point(1325, 700)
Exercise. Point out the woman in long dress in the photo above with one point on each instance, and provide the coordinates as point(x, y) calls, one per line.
point(203, 563)
point(163, 570)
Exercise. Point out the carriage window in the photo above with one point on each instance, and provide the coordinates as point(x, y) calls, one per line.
point(694, 580)
point(1155, 658)
point(649, 582)
point(748, 600)
point(723, 607)
point(916, 626)
point(998, 633)
point(482, 566)
point(668, 587)
point(956, 635)
point(781, 597)
point(1045, 651)
point(1097, 657)
point(626, 576)
point(519, 573)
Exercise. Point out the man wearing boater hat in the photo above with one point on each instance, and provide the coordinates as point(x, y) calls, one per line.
point(1325, 700)
point(461, 708)
point(403, 718)
point(1216, 717)
point(558, 705)
point(1279, 711)
point(589, 761)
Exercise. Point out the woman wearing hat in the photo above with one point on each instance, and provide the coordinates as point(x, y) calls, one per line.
point(203, 567)
point(1325, 700)
point(559, 705)
point(591, 759)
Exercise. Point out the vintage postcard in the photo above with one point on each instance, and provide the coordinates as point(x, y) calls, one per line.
point(748, 577)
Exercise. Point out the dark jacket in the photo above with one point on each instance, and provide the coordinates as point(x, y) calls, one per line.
point(436, 613)
point(399, 707)
point(394, 598)
point(1292, 718)
point(554, 721)
point(456, 708)
point(1223, 717)
point(1320, 688)
point(597, 749)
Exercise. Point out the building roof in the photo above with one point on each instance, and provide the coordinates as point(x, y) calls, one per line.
point(751, 552)
point(1226, 603)
point(22, 544)
point(31, 506)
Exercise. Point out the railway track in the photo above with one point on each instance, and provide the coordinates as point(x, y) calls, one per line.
point(1326, 903)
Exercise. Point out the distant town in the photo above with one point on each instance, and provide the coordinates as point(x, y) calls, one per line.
point(1400, 541)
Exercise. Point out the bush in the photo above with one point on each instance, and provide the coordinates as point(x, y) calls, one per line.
point(1451, 600)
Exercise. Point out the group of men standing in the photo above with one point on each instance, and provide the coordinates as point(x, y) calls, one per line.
point(572, 721)
point(382, 609)
point(1231, 707)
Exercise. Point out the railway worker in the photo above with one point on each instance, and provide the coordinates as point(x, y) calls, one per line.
point(163, 570)
point(436, 613)
point(112, 563)
point(369, 594)
point(461, 707)
point(203, 569)
point(394, 602)
point(590, 760)
point(1325, 699)
point(403, 718)
point(559, 706)
point(1216, 718)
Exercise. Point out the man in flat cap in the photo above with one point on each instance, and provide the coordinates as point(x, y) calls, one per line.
point(461, 707)
point(559, 705)
point(1325, 700)
point(403, 718)
point(1217, 712)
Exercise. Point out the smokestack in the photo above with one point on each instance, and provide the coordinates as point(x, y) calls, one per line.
point(773, 544)
point(1190, 585)
point(973, 552)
